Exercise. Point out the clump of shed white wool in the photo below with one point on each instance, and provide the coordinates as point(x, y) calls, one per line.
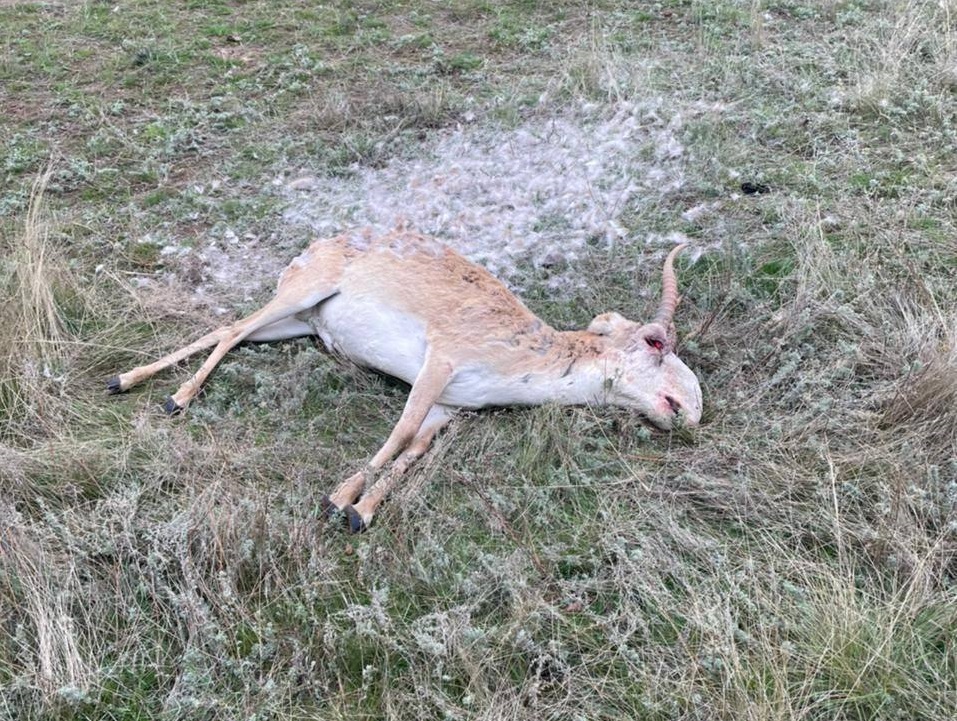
point(538, 193)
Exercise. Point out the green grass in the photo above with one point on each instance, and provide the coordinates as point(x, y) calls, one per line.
point(793, 558)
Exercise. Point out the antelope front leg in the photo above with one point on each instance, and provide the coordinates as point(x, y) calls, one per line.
point(347, 492)
point(360, 515)
point(426, 390)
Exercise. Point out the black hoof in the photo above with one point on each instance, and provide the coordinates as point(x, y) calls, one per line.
point(356, 524)
point(327, 508)
point(113, 385)
point(172, 407)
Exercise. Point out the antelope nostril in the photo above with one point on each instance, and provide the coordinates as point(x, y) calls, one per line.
point(675, 405)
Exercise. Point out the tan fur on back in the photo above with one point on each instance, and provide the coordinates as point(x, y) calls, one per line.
point(466, 308)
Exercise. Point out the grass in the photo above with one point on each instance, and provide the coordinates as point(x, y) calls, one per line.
point(793, 558)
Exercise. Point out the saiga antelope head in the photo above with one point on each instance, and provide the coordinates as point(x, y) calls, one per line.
point(644, 371)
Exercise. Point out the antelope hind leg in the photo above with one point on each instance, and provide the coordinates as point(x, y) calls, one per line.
point(278, 330)
point(125, 381)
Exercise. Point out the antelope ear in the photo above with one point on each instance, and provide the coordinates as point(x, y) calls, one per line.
point(610, 324)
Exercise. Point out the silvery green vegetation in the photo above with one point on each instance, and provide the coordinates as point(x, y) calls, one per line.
point(792, 558)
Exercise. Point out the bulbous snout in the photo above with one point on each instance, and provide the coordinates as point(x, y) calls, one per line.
point(679, 403)
point(680, 412)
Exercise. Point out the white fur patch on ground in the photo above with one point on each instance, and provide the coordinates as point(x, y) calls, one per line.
point(539, 193)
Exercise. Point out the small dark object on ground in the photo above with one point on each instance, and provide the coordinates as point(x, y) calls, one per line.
point(749, 188)
point(142, 57)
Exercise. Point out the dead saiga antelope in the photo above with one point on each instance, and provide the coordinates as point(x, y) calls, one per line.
point(408, 306)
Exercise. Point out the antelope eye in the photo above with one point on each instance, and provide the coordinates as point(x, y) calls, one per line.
point(655, 343)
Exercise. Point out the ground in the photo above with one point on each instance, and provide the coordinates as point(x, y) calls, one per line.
point(792, 558)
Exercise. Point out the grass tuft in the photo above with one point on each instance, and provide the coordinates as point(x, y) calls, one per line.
point(35, 285)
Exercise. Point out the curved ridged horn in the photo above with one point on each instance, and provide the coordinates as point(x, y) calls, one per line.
point(669, 289)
